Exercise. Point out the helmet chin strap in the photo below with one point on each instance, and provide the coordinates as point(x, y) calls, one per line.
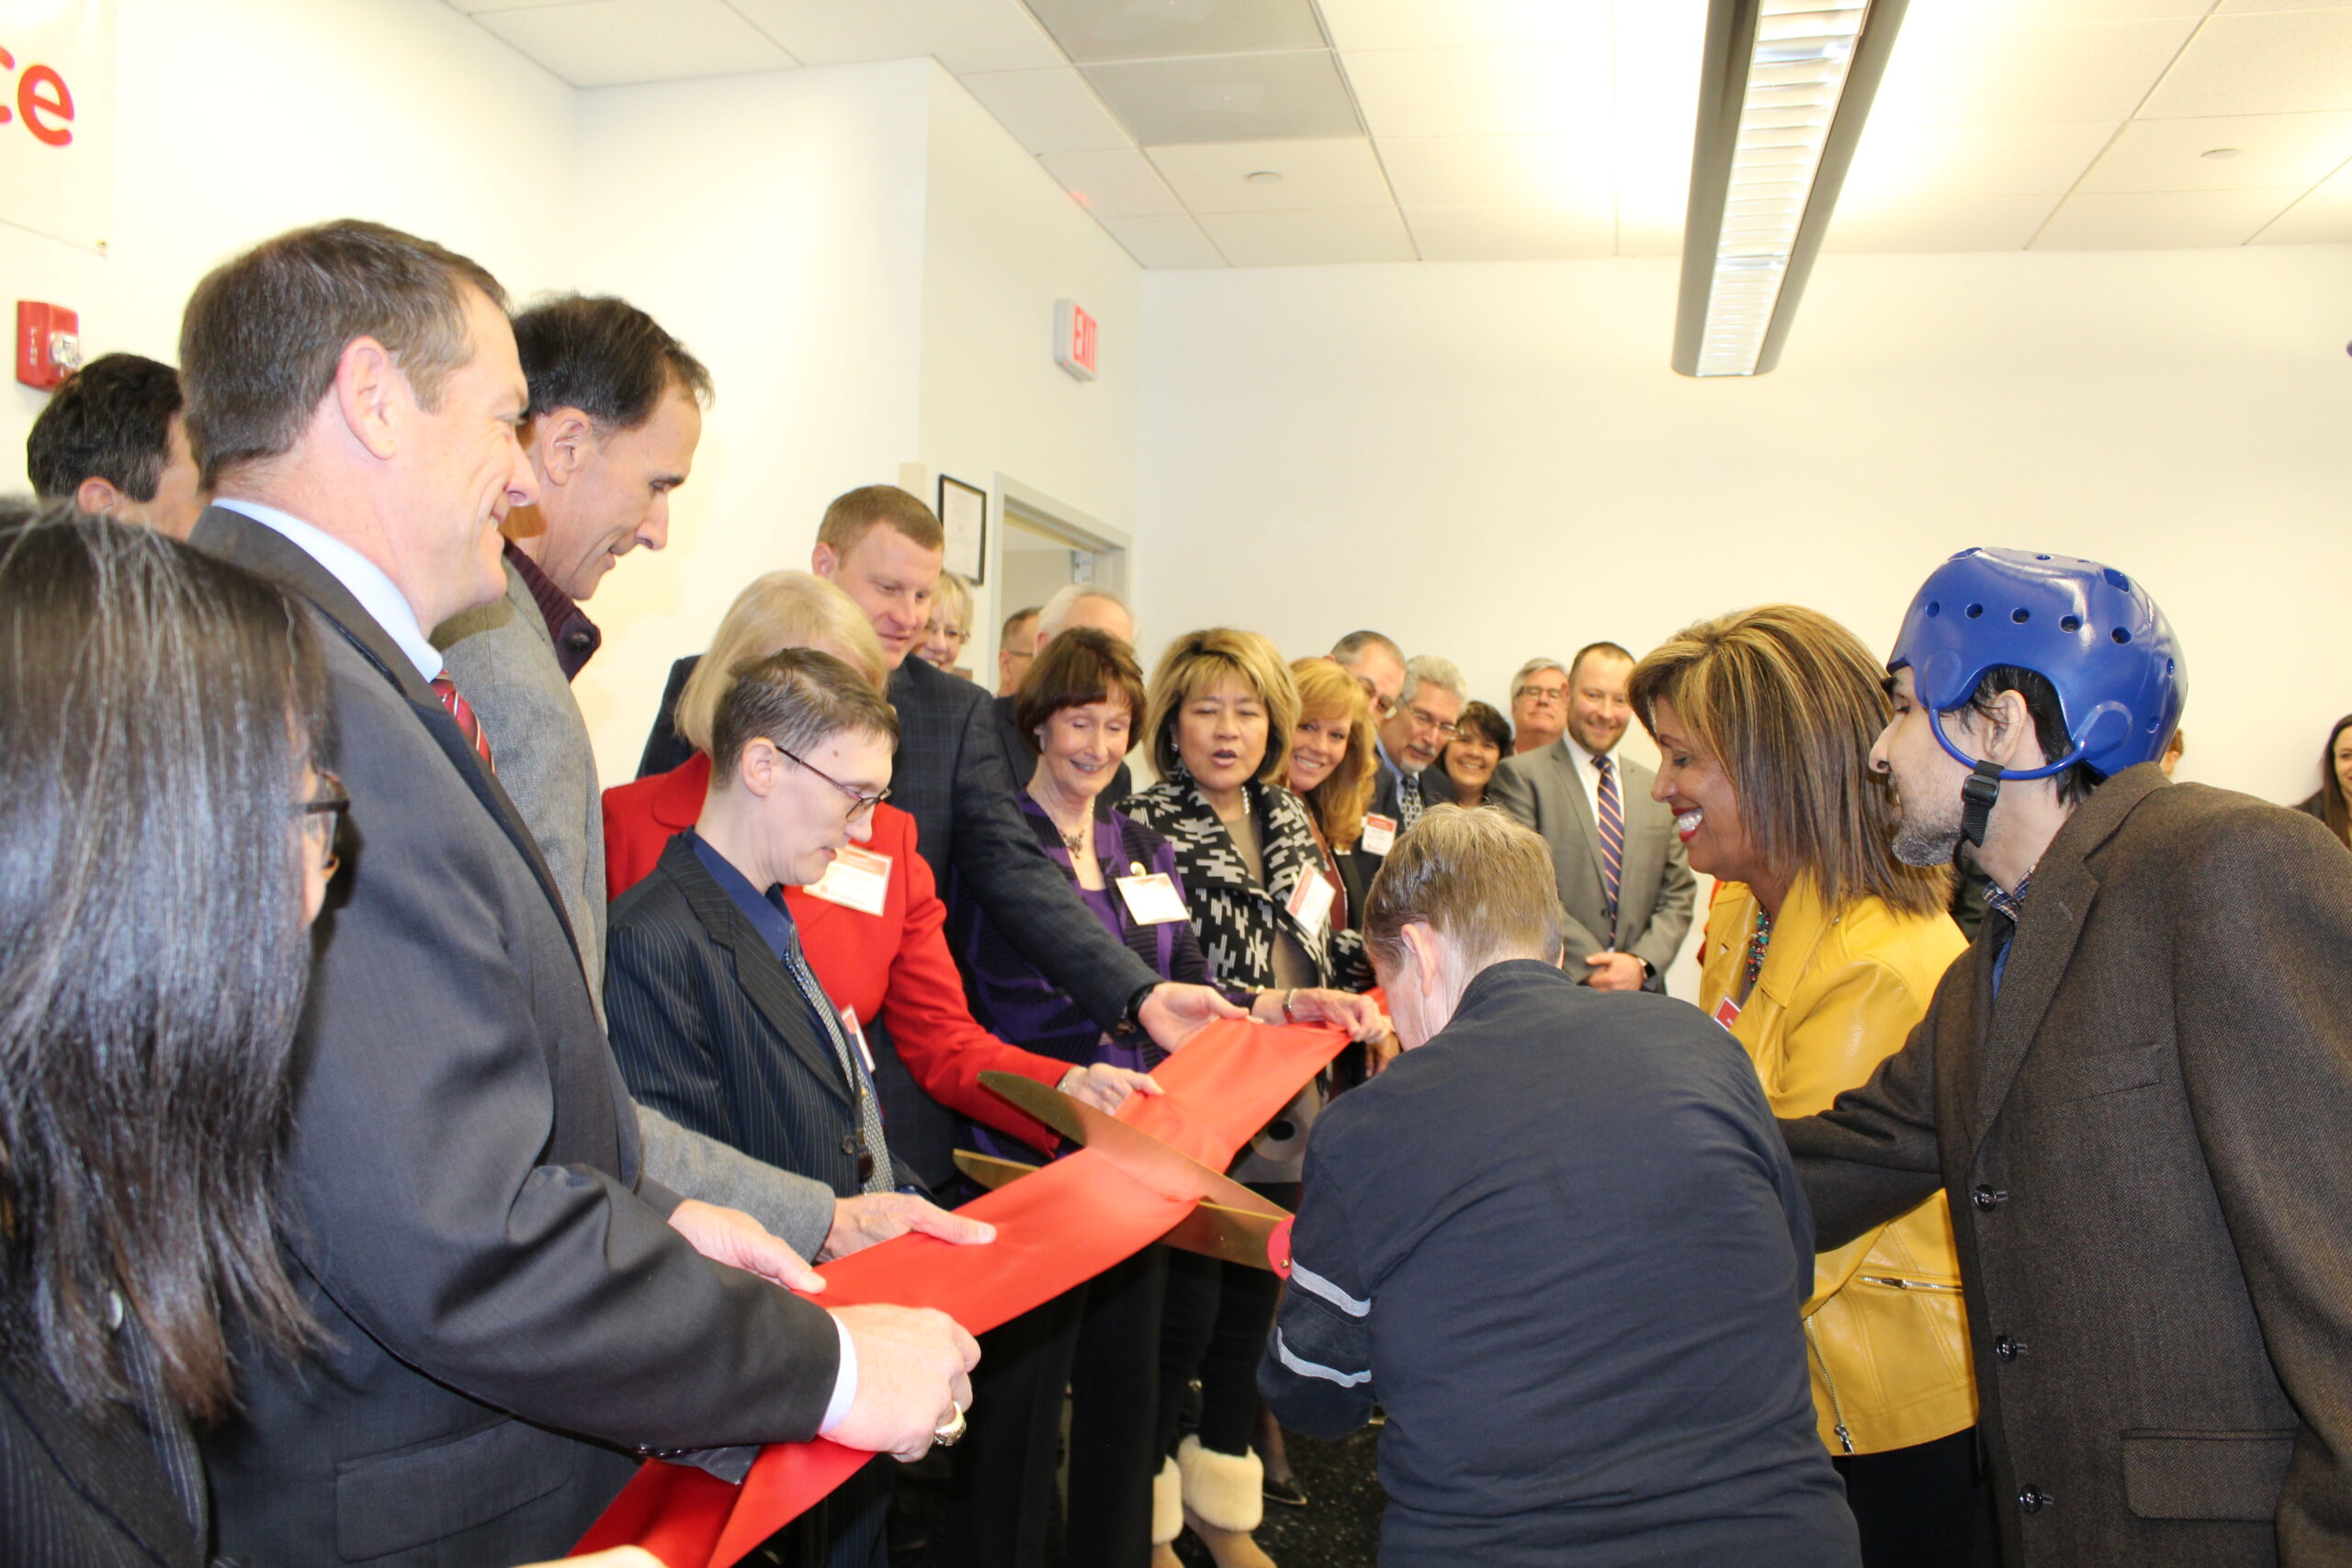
point(1977, 793)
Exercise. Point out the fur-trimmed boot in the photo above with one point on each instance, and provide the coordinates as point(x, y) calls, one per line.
point(1167, 1514)
point(1225, 1498)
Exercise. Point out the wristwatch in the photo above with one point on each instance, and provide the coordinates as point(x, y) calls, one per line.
point(1131, 1020)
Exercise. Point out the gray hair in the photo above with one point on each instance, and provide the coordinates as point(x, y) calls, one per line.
point(1349, 649)
point(1535, 666)
point(1428, 669)
point(1057, 610)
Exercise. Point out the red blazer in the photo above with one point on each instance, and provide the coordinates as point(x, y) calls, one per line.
point(894, 965)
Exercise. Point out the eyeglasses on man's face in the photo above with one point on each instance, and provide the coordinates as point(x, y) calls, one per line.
point(1382, 707)
point(1424, 719)
point(1553, 696)
point(322, 817)
point(860, 803)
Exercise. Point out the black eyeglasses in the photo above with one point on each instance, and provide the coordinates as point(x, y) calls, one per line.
point(1548, 694)
point(327, 810)
point(860, 804)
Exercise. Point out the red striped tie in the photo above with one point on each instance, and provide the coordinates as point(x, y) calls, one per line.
point(1613, 839)
point(463, 712)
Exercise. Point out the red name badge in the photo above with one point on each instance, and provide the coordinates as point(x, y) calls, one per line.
point(1726, 1013)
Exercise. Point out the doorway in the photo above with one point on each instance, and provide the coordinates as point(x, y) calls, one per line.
point(1044, 547)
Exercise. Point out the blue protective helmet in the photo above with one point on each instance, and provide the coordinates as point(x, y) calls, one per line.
point(2090, 631)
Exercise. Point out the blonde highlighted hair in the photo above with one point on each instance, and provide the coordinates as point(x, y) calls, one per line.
point(1197, 664)
point(1789, 703)
point(784, 609)
point(1327, 691)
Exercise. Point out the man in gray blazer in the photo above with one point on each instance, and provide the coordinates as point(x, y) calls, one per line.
point(2135, 1089)
point(510, 1312)
point(1624, 879)
point(615, 419)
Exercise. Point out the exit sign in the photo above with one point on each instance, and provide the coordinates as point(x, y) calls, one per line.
point(1073, 339)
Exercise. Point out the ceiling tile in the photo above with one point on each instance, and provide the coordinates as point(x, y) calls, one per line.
point(1658, 59)
point(2103, 220)
point(2269, 63)
point(1555, 172)
point(1485, 92)
point(1940, 223)
point(1646, 234)
point(1310, 238)
point(1093, 31)
point(1048, 111)
point(2005, 13)
point(1315, 175)
point(475, 8)
point(2280, 5)
point(1233, 98)
point(1113, 184)
point(1419, 24)
point(1896, 162)
point(598, 43)
point(1165, 243)
point(1957, 68)
point(2272, 149)
point(1511, 234)
point(965, 35)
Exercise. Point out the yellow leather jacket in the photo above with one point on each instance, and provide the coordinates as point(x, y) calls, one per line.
point(1837, 993)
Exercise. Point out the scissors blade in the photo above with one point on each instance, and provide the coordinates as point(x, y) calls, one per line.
point(1133, 1150)
point(1233, 1235)
point(990, 1171)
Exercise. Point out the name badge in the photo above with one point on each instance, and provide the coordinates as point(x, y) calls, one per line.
point(1152, 901)
point(857, 1038)
point(1727, 1013)
point(1310, 904)
point(857, 879)
point(1379, 834)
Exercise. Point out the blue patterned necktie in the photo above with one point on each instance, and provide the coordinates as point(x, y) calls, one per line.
point(1612, 839)
point(876, 1173)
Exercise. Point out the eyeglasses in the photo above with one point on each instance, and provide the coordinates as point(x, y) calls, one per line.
point(323, 819)
point(859, 805)
point(1554, 696)
point(1424, 719)
point(1382, 707)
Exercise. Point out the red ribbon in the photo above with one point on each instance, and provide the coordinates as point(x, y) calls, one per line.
point(1054, 1231)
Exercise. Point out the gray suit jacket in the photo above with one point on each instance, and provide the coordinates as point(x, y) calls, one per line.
point(1655, 890)
point(505, 1312)
point(505, 664)
point(2143, 1136)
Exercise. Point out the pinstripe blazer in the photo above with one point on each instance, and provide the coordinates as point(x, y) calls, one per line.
point(951, 776)
point(712, 1033)
point(123, 1491)
point(507, 1309)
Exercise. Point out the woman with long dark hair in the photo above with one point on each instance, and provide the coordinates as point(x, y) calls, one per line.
point(167, 833)
point(2332, 802)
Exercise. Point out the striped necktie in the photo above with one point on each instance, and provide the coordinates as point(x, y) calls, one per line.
point(1612, 839)
point(874, 1174)
point(469, 725)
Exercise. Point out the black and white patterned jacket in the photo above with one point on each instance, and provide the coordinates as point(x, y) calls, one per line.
point(1236, 917)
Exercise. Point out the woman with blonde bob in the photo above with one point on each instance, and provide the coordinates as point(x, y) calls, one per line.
point(1820, 953)
point(1222, 714)
point(1332, 771)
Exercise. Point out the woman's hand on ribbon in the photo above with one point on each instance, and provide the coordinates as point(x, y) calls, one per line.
point(1173, 1013)
point(1106, 1088)
point(1359, 1016)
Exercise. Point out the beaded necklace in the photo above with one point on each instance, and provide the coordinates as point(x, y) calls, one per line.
point(1758, 941)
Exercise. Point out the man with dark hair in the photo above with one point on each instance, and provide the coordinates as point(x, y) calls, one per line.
point(1623, 877)
point(1016, 647)
point(2135, 1088)
point(615, 416)
point(1578, 1296)
point(509, 1310)
point(885, 549)
point(112, 442)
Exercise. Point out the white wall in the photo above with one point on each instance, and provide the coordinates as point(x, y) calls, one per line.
point(237, 118)
point(1494, 461)
point(773, 223)
point(1001, 241)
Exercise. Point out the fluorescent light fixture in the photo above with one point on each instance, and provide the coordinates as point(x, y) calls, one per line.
point(1786, 86)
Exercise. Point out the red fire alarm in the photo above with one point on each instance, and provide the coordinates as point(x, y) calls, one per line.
point(49, 343)
point(1074, 339)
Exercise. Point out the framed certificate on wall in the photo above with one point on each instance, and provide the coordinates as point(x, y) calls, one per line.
point(964, 513)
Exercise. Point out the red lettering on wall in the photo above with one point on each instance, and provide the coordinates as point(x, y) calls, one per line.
point(7, 63)
point(41, 91)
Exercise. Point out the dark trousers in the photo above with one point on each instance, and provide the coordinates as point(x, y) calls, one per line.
point(1923, 1507)
point(1101, 1341)
point(845, 1531)
point(1214, 1328)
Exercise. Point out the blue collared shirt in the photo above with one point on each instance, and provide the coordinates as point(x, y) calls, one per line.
point(362, 577)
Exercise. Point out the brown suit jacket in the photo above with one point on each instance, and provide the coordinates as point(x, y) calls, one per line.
point(2147, 1142)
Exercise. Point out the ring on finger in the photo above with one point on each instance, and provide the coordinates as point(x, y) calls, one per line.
point(950, 1431)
